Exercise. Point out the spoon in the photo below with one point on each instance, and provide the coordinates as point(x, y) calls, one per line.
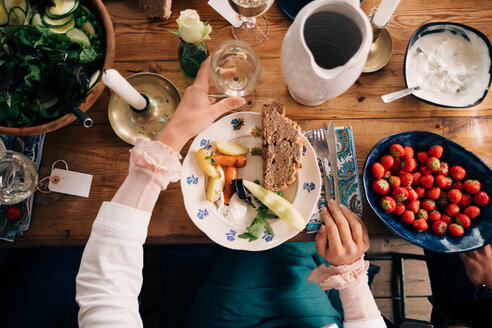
point(389, 97)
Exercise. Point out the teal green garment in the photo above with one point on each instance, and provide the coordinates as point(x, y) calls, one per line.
point(265, 289)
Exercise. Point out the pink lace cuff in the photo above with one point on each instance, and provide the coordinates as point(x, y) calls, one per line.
point(158, 158)
point(340, 277)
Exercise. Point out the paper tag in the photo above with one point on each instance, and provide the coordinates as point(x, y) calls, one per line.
point(70, 182)
point(225, 10)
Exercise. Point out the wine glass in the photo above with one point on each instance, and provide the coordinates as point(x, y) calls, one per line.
point(236, 70)
point(254, 28)
point(18, 176)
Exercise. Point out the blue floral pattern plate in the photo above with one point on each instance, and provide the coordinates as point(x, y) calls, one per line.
point(303, 194)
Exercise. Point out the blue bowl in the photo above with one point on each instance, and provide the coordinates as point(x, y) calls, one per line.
point(455, 28)
point(476, 236)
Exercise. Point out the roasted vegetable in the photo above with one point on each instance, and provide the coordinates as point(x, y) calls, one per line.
point(225, 160)
point(230, 174)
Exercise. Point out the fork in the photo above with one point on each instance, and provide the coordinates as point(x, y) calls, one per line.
point(321, 150)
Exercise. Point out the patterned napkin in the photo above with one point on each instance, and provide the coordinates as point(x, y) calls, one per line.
point(32, 147)
point(348, 176)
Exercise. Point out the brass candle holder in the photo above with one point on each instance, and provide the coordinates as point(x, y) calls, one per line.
point(381, 49)
point(162, 99)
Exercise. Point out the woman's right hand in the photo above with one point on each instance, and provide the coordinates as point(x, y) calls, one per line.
point(343, 238)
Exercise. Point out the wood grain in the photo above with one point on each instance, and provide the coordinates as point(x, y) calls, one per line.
point(143, 45)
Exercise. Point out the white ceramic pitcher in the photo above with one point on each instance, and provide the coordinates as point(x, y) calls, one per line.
point(325, 50)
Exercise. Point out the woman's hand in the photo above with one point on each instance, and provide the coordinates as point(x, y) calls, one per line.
point(478, 266)
point(196, 111)
point(343, 238)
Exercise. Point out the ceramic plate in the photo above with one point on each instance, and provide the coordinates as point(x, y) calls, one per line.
point(237, 127)
point(477, 235)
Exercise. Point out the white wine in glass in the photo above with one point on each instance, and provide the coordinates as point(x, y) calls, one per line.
point(255, 26)
point(18, 177)
point(236, 70)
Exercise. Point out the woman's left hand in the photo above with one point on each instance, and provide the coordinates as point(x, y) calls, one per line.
point(196, 111)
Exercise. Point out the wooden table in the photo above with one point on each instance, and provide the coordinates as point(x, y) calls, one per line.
point(142, 46)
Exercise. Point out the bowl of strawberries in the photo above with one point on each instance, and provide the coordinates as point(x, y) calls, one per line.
point(430, 191)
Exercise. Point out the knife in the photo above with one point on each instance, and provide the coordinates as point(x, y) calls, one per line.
point(333, 158)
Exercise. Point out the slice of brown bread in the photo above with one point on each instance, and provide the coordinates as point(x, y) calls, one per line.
point(156, 8)
point(282, 147)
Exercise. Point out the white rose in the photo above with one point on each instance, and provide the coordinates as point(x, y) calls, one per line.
point(190, 28)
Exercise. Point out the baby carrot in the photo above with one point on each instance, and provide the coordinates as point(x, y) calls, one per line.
point(230, 174)
point(228, 161)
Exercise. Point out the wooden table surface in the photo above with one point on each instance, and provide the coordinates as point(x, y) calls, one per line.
point(144, 46)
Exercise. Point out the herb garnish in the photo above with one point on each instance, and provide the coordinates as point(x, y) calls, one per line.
point(256, 151)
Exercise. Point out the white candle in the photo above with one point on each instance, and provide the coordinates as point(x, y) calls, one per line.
point(113, 79)
point(384, 12)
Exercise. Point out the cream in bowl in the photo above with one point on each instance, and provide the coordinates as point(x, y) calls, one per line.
point(451, 63)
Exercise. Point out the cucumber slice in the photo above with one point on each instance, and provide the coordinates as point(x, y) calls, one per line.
point(63, 29)
point(17, 16)
point(10, 4)
point(85, 9)
point(50, 102)
point(50, 22)
point(62, 8)
point(36, 20)
point(4, 15)
point(94, 78)
point(79, 37)
point(87, 27)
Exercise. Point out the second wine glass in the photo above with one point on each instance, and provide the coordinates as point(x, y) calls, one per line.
point(236, 70)
point(255, 26)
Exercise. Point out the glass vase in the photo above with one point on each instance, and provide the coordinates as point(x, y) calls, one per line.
point(191, 56)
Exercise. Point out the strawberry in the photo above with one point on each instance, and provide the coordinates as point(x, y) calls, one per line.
point(443, 199)
point(397, 150)
point(420, 225)
point(387, 161)
point(443, 181)
point(427, 181)
point(457, 172)
point(463, 220)
point(433, 164)
point(380, 186)
point(420, 191)
point(428, 204)
point(452, 209)
point(471, 186)
point(456, 230)
point(406, 179)
point(481, 198)
point(444, 169)
point(400, 208)
point(424, 170)
point(377, 170)
point(416, 178)
point(457, 185)
point(465, 201)
point(13, 213)
point(412, 205)
point(407, 217)
point(446, 218)
point(472, 211)
point(436, 151)
point(439, 227)
point(409, 151)
point(412, 194)
point(396, 165)
point(400, 194)
point(387, 174)
point(433, 193)
point(422, 156)
point(394, 181)
point(454, 196)
point(408, 164)
point(422, 214)
point(434, 215)
point(388, 204)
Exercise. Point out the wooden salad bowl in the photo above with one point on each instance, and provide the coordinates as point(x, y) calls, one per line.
point(100, 10)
